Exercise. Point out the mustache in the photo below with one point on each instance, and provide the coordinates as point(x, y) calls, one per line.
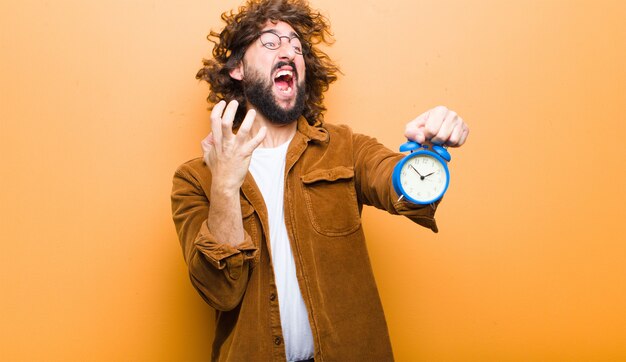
point(282, 64)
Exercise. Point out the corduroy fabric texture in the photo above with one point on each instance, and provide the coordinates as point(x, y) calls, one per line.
point(330, 174)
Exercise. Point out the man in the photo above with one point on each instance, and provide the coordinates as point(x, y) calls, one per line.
point(269, 218)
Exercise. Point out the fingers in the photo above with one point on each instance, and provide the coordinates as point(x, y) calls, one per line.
point(246, 124)
point(216, 123)
point(414, 133)
point(222, 130)
point(244, 133)
point(257, 139)
point(444, 127)
point(207, 146)
point(415, 129)
point(455, 135)
point(436, 119)
point(222, 117)
point(439, 125)
point(207, 143)
point(227, 119)
point(464, 135)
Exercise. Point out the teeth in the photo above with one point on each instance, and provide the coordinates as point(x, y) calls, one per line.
point(284, 72)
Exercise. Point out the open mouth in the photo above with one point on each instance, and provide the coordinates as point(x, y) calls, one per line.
point(284, 80)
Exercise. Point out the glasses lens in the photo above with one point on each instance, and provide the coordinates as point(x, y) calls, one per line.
point(297, 45)
point(270, 40)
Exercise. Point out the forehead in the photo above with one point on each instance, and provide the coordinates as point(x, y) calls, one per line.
point(280, 28)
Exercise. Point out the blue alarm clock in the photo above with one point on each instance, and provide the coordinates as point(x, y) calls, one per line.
point(422, 176)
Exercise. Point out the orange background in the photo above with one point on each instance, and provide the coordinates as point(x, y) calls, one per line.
point(100, 105)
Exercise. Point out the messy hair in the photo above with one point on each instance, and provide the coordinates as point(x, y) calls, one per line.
point(243, 27)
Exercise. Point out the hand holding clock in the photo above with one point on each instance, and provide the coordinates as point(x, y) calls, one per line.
point(439, 125)
point(427, 134)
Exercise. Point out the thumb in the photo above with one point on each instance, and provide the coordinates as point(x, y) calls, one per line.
point(415, 133)
point(207, 142)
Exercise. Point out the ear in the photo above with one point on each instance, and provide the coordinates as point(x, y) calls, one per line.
point(237, 73)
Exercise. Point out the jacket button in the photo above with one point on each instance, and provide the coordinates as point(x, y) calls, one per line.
point(277, 341)
point(272, 296)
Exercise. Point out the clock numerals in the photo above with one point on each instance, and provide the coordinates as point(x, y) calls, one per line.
point(423, 177)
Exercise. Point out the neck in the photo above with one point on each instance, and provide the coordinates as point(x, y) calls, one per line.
point(277, 134)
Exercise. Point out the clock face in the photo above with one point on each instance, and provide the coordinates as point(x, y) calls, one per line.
point(423, 178)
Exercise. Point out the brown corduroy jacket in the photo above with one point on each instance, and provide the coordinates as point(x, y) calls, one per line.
point(330, 174)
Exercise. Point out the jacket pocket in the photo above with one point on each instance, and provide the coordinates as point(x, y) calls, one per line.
point(331, 201)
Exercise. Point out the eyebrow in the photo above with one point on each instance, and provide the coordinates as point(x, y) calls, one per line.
point(273, 31)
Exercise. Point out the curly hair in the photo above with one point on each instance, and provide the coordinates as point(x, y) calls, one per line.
point(242, 28)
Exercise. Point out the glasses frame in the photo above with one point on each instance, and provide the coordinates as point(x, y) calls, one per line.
point(280, 42)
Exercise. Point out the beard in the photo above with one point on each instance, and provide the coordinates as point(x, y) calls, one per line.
point(259, 94)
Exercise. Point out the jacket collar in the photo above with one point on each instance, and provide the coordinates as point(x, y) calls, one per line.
point(315, 132)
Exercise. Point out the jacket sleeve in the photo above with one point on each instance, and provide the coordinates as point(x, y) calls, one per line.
point(373, 167)
point(219, 272)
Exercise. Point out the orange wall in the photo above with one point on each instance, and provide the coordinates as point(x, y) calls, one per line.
point(100, 104)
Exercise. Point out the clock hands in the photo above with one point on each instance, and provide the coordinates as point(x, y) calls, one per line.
point(414, 169)
point(421, 176)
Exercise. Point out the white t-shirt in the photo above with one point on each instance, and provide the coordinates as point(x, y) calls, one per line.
point(268, 169)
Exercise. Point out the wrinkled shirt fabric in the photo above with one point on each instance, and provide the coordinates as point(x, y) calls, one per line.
point(330, 173)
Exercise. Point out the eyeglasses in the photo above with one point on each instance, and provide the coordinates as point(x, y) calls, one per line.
point(272, 41)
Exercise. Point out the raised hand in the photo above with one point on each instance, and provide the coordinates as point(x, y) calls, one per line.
point(227, 154)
